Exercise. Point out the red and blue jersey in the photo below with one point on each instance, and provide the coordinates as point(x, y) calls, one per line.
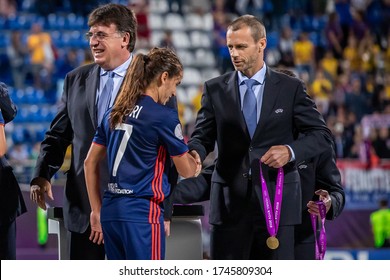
point(136, 153)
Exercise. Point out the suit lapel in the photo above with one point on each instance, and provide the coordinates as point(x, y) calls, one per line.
point(270, 94)
point(91, 84)
point(232, 90)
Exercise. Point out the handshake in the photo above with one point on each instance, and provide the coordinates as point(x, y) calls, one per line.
point(198, 161)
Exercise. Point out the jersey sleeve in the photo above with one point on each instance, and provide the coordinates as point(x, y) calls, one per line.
point(101, 135)
point(171, 134)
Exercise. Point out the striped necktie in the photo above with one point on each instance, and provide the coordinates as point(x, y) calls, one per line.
point(105, 96)
point(249, 107)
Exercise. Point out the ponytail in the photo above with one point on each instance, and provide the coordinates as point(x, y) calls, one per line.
point(132, 88)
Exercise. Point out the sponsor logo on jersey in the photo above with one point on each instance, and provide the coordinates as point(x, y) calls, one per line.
point(178, 132)
point(113, 187)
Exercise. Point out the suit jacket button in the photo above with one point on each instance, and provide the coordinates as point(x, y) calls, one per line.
point(250, 149)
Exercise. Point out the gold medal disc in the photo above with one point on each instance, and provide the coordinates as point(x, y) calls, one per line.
point(272, 242)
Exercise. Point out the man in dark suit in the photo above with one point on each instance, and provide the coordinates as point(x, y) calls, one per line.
point(112, 36)
point(320, 180)
point(11, 198)
point(238, 214)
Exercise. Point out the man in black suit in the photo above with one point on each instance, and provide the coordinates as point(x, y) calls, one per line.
point(238, 214)
point(112, 36)
point(320, 180)
point(11, 199)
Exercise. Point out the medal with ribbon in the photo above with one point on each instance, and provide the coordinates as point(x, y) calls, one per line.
point(320, 242)
point(272, 214)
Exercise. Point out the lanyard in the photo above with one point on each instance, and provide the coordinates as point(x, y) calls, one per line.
point(272, 215)
point(320, 242)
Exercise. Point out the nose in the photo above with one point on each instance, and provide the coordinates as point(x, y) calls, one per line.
point(233, 52)
point(93, 41)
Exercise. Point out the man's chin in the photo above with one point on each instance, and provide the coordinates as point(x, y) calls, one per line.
point(99, 61)
point(237, 67)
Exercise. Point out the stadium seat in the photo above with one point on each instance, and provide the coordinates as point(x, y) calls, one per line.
point(174, 22)
point(272, 40)
point(158, 6)
point(186, 57)
point(194, 21)
point(181, 40)
point(155, 21)
point(156, 37)
point(204, 58)
point(191, 76)
point(200, 39)
point(209, 73)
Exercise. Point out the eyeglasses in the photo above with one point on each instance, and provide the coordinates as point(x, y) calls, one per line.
point(99, 36)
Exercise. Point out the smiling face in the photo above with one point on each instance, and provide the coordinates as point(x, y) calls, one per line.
point(168, 87)
point(246, 54)
point(108, 46)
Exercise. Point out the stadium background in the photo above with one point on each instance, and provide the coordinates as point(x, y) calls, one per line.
point(339, 48)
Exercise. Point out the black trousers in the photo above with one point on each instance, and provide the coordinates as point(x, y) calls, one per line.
point(81, 248)
point(305, 251)
point(8, 241)
point(246, 238)
point(247, 241)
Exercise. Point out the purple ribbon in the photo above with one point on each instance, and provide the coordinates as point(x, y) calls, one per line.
point(272, 216)
point(320, 243)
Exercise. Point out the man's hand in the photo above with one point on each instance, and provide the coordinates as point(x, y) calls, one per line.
point(325, 198)
point(196, 156)
point(276, 156)
point(40, 186)
point(167, 227)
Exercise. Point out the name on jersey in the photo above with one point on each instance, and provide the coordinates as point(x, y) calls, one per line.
point(137, 109)
point(113, 188)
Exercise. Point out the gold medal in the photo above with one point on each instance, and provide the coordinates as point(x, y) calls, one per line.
point(272, 242)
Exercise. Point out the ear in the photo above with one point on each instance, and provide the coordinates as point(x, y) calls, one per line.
point(262, 44)
point(126, 40)
point(162, 79)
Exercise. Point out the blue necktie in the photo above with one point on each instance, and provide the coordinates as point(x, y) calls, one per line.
point(249, 107)
point(105, 96)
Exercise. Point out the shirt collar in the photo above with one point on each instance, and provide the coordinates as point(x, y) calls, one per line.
point(258, 76)
point(121, 69)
